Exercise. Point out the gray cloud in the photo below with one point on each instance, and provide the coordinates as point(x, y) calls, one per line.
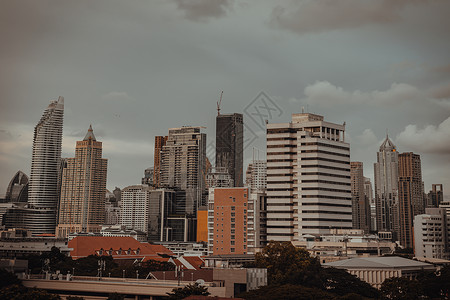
point(201, 10)
point(325, 94)
point(429, 139)
point(323, 15)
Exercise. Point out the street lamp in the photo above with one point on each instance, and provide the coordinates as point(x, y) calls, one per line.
point(137, 274)
point(123, 272)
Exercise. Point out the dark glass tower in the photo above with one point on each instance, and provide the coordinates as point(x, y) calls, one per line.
point(229, 145)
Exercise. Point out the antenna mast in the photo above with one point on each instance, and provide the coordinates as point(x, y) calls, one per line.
point(219, 103)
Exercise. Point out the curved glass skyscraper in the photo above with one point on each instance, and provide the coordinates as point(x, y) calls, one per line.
point(45, 165)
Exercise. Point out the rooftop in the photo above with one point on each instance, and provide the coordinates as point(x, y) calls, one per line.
point(384, 262)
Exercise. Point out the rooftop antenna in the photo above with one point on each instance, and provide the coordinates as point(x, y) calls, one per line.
point(219, 103)
point(303, 109)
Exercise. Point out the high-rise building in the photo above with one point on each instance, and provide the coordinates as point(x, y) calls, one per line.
point(43, 193)
point(256, 222)
point(258, 176)
point(134, 212)
point(360, 203)
point(308, 178)
point(227, 221)
point(435, 196)
point(386, 187)
point(230, 145)
point(410, 195)
point(148, 177)
point(219, 177)
point(183, 168)
point(17, 190)
point(83, 189)
point(160, 141)
point(431, 236)
point(368, 192)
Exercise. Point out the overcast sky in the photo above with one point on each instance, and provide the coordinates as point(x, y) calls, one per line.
point(133, 69)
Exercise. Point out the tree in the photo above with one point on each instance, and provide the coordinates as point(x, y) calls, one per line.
point(342, 283)
point(286, 263)
point(8, 278)
point(400, 288)
point(115, 296)
point(286, 292)
point(190, 289)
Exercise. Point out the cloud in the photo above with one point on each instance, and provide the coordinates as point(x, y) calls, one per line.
point(430, 139)
point(442, 92)
point(323, 15)
point(367, 138)
point(326, 94)
point(117, 97)
point(201, 10)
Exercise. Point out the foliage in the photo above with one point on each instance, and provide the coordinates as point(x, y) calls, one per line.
point(7, 278)
point(190, 289)
point(19, 292)
point(285, 263)
point(286, 292)
point(74, 298)
point(397, 288)
point(115, 296)
point(340, 282)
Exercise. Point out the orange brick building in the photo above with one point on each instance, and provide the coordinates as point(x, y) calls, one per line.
point(227, 221)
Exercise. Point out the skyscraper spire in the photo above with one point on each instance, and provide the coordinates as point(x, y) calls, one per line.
point(90, 134)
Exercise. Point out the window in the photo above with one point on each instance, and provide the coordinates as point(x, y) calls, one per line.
point(233, 236)
point(232, 242)
point(233, 208)
point(232, 250)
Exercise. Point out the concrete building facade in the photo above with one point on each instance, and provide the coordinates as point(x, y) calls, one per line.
point(308, 178)
point(227, 221)
point(410, 194)
point(83, 189)
point(360, 203)
point(386, 188)
point(230, 145)
point(43, 193)
point(431, 234)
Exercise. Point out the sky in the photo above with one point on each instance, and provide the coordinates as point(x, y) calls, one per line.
point(133, 69)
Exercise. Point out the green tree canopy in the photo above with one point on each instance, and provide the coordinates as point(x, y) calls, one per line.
point(188, 290)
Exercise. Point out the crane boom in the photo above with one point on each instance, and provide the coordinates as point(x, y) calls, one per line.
point(219, 103)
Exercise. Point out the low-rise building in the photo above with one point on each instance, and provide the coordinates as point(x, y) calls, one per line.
point(374, 270)
point(431, 234)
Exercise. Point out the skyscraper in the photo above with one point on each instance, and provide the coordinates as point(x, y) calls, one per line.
point(229, 145)
point(410, 195)
point(308, 178)
point(183, 168)
point(360, 203)
point(83, 189)
point(386, 187)
point(43, 191)
point(160, 141)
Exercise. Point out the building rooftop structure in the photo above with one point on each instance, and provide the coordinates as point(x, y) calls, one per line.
point(117, 247)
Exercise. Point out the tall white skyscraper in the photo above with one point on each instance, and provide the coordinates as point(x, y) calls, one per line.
point(308, 178)
point(45, 165)
point(386, 187)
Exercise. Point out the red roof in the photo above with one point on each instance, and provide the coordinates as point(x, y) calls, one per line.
point(195, 261)
point(117, 247)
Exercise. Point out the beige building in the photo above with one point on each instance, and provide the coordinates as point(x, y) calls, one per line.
point(308, 178)
point(360, 203)
point(83, 188)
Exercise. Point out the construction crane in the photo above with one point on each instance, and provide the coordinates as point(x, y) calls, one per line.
point(219, 103)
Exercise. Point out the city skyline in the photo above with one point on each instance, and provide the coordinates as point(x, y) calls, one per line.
point(165, 66)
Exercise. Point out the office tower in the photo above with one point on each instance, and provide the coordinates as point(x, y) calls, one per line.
point(258, 176)
point(183, 167)
point(134, 212)
point(431, 234)
point(386, 187)
point(368, 192)
point(248, 175)
point(360, 203)
point(229, 145)
point(17, 190)
point(43, 193)
point(148, 177)
point(435, 196)
point(161, 209)
point(308, 178)
point(83, 189)
point(256, 222)
point(410, 195)
point(227, 221)
point(160, 141)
